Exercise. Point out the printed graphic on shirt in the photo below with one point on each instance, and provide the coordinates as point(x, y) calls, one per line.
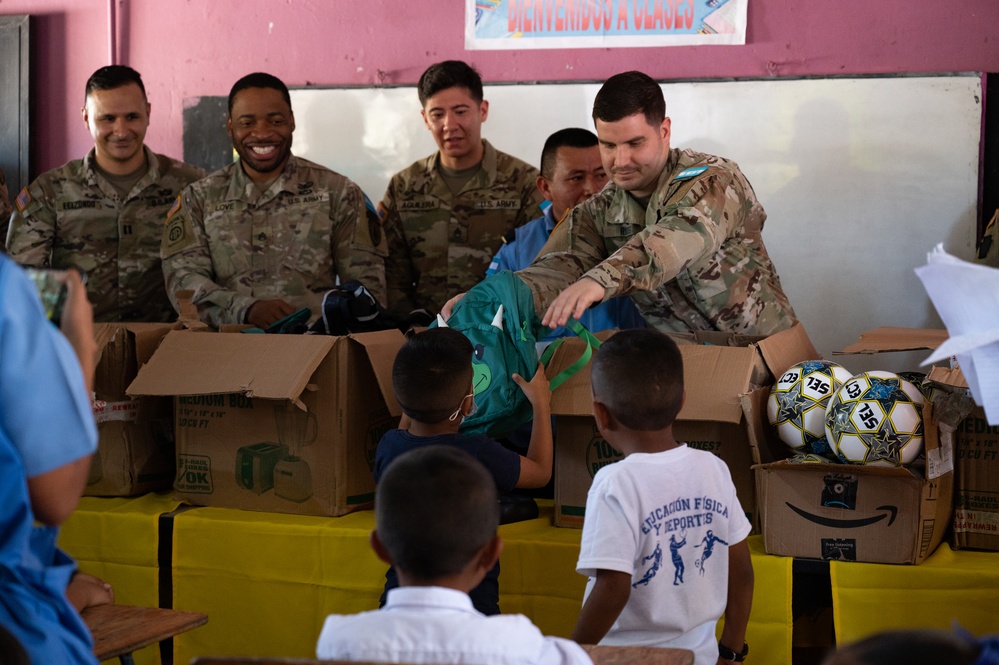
point(676, 518)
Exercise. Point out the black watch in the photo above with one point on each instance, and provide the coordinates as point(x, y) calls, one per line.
point(727, 654)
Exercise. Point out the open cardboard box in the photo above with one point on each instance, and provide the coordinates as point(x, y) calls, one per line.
point(135, 452)
point(861, 513)
point(722, 372)
point(278, 423)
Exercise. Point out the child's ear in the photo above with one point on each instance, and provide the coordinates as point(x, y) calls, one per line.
point(379, 548)
point(602, 415)
point(490, 553)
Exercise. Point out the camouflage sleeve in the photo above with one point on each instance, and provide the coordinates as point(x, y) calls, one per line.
point(187, 265)
point(5, 207)
point(400, 275)
point(575, 246)
point(32, 227)
point(358, 243)
point(688, 231)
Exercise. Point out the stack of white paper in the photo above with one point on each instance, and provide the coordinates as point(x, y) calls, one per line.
point(966, 296)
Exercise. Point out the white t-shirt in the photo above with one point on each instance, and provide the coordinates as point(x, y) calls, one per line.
point(438, 625)
point(667, 519)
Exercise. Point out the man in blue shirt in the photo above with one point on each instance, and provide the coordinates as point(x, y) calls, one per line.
point(571, 172)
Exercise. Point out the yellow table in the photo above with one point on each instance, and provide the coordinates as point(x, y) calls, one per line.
point(117, 539)
point(950, 586)
point(267, 581)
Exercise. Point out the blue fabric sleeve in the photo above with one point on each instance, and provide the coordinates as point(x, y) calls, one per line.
point(44, 407)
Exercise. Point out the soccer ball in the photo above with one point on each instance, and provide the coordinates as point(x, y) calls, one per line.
point(808, 458)
point(797, 404)
point(918, 379)
point(876, 418)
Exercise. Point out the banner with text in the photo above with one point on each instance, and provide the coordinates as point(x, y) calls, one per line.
point(537, 24)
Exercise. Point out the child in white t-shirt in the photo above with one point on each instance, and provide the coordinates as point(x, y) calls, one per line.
point(664, 540)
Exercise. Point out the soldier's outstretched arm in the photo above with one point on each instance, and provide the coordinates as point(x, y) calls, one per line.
point(359, 247)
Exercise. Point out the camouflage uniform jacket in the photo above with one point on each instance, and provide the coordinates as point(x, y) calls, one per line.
point(233, 245)
point(692, 260)
point(72, 216)
point(440, 244)
point(5, 207)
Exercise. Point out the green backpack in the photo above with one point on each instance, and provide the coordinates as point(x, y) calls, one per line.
point(497, 315)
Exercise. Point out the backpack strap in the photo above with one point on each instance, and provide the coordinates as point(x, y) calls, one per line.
point(592, 343)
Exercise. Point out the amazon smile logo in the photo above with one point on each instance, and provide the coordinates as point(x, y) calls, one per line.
point(889, 513)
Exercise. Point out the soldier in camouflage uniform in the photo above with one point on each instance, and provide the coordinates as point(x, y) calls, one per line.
point(104, 214)
point(445, 216)
point(5, 206)
point(270, 234)
point(678, 231)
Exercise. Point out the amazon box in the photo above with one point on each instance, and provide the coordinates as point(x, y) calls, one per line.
point(725, 377)
point(135, 451)
point(277, 423)
point(862, 513)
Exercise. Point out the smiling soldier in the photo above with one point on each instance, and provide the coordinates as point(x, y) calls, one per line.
point(269, 234)
point(104, 213)
point(445, 216)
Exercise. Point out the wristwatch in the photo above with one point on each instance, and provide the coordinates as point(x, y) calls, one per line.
point(728, 654)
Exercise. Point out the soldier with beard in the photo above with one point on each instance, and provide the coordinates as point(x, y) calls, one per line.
point(269, 234)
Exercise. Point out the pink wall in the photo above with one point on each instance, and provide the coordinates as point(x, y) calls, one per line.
point(189, 48)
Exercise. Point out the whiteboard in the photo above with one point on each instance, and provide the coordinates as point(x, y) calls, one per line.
point(860, 177)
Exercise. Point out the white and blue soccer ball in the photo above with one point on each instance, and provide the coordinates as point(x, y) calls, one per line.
point(797, 404)
point(876, 419)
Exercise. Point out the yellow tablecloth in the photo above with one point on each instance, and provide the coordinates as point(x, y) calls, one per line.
point(267, 581)
point(961, 586)
point(117, 539)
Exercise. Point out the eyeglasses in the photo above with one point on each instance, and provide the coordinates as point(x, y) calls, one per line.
point(471, 411)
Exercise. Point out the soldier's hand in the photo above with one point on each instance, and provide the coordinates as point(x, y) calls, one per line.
point(573, 302)
point(265, 312)
point(449, 306)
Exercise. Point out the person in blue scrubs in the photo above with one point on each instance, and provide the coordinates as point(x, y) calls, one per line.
point(47, 439)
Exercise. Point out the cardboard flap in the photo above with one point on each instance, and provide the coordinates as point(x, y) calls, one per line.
point(783, 349)
point(715, 378)
point(382, 347)
point(888, 338)
point(267, 366)
point(844, 470)
point(948, 376)
point(147, 337)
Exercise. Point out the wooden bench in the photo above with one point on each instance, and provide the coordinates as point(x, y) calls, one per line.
point(601, 655)
point(118, 630)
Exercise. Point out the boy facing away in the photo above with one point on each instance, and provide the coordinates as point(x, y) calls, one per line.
point(436, 515)
point(662, 495)
point(432, 380)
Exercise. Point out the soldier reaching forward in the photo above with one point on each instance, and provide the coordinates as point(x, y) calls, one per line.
point(679, 231)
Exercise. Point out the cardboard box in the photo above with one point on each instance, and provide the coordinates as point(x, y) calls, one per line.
point(277, 423)
point(135, 453)
point(723, 374)
point(860, 513)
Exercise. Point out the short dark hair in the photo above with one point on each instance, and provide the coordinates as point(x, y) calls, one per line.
point(907, 645)
point(259, 80)
point(638, 375)
point(449, 74)
point(432, 373)
point(629, 93)
point(571, 137)
point(113, 76)
point(435, 507)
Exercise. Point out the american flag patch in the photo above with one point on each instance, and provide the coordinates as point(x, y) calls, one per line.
point(174, 208)
point(22, 200)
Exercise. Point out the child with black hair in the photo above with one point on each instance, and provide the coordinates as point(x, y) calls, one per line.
point(432, 380)
point(436, 515)
point(663, 494)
